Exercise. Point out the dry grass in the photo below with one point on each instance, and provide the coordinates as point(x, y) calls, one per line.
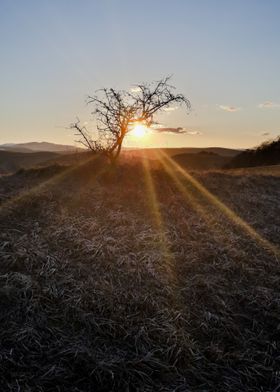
point(99, 294)
point(273, 170)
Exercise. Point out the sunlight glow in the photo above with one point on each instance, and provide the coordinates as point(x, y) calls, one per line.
point(139, 130)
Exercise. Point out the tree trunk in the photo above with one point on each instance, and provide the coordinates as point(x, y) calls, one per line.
point(114, 155)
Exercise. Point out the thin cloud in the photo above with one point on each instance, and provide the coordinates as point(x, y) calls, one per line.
point(194, 133)
point(228, 108)
point(170, 130)
point(135, 89)
point(269, 105)
point(265, 134)
point(171, 109)
point(178, 130)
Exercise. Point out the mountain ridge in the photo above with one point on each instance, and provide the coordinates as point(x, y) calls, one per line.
point(39, 147)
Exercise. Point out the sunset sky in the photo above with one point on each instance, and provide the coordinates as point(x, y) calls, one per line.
point(223, 55)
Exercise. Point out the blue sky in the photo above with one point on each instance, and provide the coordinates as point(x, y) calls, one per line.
point(223, 55)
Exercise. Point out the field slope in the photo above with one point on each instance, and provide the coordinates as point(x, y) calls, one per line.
point(11, 161)
point(142, 279)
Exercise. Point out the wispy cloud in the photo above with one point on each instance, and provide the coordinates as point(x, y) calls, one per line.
point(265, 134)
point(170, 109)
point(269, 105)
point(194, 133)
point(177, 130)
point(135, 89)
point(169, 130)
point(228, 108)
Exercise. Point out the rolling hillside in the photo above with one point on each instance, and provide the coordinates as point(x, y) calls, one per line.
point(193, 158)
point(152, 152)
point(267, 153)
point(139, 280)
point(203, 160)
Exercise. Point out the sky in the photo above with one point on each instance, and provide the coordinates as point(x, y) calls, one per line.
point(224, 56)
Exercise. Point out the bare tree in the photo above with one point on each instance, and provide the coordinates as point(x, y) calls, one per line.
point(118, 111)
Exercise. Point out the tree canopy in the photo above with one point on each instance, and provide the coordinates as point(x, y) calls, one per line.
point(117, 112)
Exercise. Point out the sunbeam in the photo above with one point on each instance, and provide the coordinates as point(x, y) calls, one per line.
point(55, 179)
point(231, 215)
point(187, 195)
point(214, 229)
point(157, 218)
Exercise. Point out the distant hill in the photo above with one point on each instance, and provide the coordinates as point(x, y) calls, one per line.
point(192, 158)
point(39, 146)
point(152, 152)
point(11, 161)
point(14, 148)
point(62, 148)
point(228, 152)
point(267, 153)
point(203, 160)
point(16, 156)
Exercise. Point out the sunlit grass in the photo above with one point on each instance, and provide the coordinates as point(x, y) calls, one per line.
point(55, 179)
point(158, 220)
point(228, 213)
point(119, 284)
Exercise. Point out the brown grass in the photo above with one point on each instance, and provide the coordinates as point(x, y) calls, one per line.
point(107, 287)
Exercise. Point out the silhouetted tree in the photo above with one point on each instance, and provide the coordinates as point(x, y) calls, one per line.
point(118, 111)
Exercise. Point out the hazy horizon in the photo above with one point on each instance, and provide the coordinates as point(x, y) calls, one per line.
point(125, 147)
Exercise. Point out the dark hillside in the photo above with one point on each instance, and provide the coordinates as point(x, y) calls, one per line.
point(203, 160)
point(152, 152)
point(13, 161)
point(267, 153)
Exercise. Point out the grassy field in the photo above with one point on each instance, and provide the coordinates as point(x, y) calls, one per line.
point(11, 161)
point(143, 279)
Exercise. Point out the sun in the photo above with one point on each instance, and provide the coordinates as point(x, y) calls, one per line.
point(139, 130)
